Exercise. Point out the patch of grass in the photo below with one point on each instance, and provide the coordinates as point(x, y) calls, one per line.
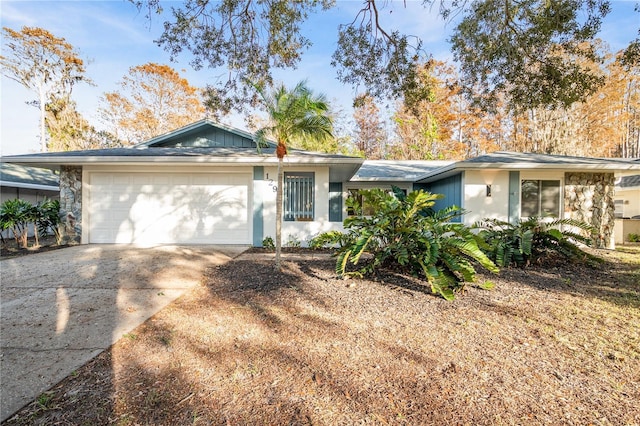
point(629, 253)
point(152, 398)
point(166, 339)
point(45, 400)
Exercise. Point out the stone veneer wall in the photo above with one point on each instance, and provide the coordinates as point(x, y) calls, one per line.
point(71, 203)
point(589, 197)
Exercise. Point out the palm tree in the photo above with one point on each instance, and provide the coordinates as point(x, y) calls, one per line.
point(295, 116)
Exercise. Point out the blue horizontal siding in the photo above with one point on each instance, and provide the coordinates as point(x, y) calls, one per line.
point(450, 187)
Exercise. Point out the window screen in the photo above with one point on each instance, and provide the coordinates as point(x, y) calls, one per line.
point(298, 196)
point(540, 198)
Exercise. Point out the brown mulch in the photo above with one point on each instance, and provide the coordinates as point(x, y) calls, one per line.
point(551, 344)
point(9, 248)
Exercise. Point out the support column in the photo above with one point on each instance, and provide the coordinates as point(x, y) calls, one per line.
point(71, 204)
point(589, 197)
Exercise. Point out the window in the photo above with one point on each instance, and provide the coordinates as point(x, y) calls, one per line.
point(298, 196)
point(540, 198)
point(362, 208)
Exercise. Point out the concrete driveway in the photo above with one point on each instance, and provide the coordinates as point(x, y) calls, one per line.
point(59, 309)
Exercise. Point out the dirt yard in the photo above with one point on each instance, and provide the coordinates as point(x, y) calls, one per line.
point(554, 344)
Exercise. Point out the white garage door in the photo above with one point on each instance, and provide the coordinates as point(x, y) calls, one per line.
point(168, 208)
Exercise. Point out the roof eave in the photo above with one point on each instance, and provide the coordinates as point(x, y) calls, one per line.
point(340, 169)
point(382, 179)
point(9, 184)
point(520, 166)
point(455, 168)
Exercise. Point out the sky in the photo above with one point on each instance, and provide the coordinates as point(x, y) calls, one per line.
point(113, 36)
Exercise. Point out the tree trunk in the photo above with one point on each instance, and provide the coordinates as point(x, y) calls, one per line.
point(35, 234)
point(279, 194)
point(43, 138)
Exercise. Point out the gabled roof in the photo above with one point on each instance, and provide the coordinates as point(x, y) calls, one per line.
point(201, 143)
point(203, 133)
point(528, 161)
point(18, 176)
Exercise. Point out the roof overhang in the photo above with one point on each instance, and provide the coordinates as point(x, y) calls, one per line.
point(340, 168)
point(396, 171)
point(602, 165)
point(9, 184)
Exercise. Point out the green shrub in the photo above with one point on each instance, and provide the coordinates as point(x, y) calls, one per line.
point(633, 238)
point(529, 240)
point(404, 233)
point(329, 239)
point(293, 242)
point(268, 243)
point(16, 215)
point(48, 218)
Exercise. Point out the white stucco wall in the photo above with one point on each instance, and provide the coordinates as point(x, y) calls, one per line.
point(630, 201)
point(476, 202)
point(294, 231)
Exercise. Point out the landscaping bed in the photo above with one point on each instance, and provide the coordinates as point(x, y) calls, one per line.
point(9, 248)
point(556, 343)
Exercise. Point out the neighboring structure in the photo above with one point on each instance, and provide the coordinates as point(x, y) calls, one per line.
point(627, 202)
point(32, 184)
point(208, 184)
point(628, 197)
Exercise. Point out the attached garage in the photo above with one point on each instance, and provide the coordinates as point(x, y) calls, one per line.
point(168, 207)
point(205, 183)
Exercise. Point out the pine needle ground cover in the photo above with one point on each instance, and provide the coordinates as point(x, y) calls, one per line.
point(551, 344)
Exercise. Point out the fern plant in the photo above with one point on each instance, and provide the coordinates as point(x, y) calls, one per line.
point(530, 240)
point(405, 233)
point(330, 239)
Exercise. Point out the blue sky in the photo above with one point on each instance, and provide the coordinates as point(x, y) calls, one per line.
point(113, 36)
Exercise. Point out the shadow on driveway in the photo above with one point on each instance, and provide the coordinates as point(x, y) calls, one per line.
point(61, 308)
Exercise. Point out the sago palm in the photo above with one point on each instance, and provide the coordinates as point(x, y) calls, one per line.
point(295, 116)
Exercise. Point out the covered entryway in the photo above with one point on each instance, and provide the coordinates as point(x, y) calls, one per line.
point(148, 208)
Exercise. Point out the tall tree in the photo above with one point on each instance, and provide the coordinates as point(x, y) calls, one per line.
point(510, 45)
point(43, 63)
point(370, 135)
point(606, 124)
point(153, 99)
point(425, 128)
point(625, 78)
point(66, 127)
point(68, 130)
point(294, 116)
point(527, 49)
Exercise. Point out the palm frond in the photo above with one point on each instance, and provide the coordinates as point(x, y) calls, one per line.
point(443, 285)
point(341, 262)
